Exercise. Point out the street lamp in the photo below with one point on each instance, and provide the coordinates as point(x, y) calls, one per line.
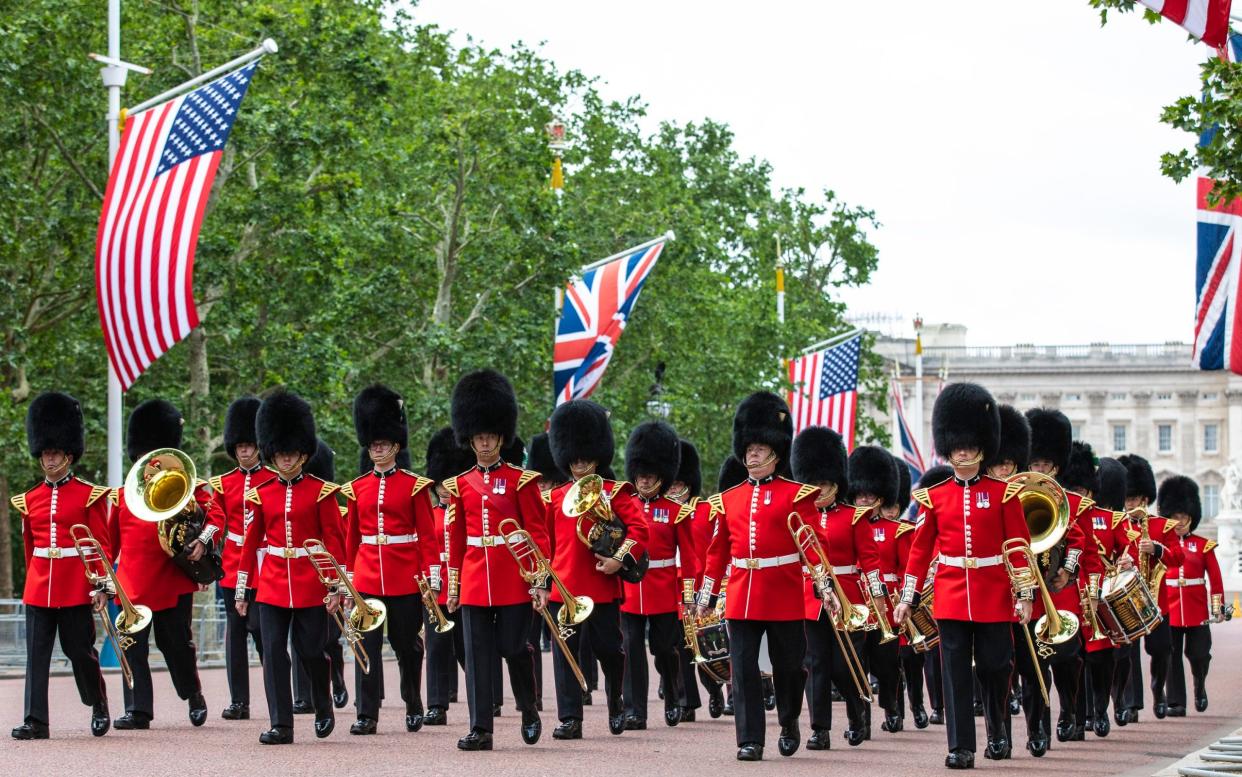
point(657, 406)
point(557, 145)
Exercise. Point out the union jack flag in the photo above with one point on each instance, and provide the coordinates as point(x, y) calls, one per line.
point(1207, 20)
point(597, 307)
point(825, 388)
point(910, 453)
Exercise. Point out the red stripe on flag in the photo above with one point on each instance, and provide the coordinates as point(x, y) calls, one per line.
point(1234, 360)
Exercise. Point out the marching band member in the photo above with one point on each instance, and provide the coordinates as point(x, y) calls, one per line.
point(539, 459)
point(241, 445)
point(149, 576)
point(389, 542)
point(967, 520)
point(483, 578)
point(731, 473)
point(687, 489)
point(1191, 608)
point(753, 537)
point(651, 608)
point(57, 596)
point(888, 525)
point(288, 510)
point(930, 660)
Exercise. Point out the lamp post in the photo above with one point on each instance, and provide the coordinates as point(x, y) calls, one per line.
point(657, 406)
point(557, 145)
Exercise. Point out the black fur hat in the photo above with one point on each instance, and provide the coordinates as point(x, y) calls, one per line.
point(379, 414)
point(819, 457)
point(445, 458)
point(1111, 494)
point(514, 451)
point(239, 424)
point(152, 425)
point(580, 430)
point(763, 418)
point(935, 475)
point(653, 449)
point(365, 465)
point(1180, 494)
point(285, 424)
point(732, 472)
point(1080, 470)
point(1051, 435)
point(539, 458)
point(54, 422)
point(965, 416)
point(323, 464)
point(873, 471)
point(1140, 480)
point(483, 402)
point(1015, 439)
point(903, 483)
point(690, 471)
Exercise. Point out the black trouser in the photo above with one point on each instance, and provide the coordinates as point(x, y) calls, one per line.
point(1195, 643)
point(405, 618)
point(787, 650)
point(991, 646)
point(586, 661)
point(826, 665)
point(603, 633)
point(912, 667)
point(76, 626)
point(1034, 709)
point(933, 673)
point(690, 698)
point(445, 652)
point(1159, 646)
point(1123, 687)
point(664, 634)
point(176, 641)
point(334, 653)
point(883, 661)
point(236, 651)
point(1134, 685)
point(308, 628)
point(533, 636)
point(491, 632)
point(1099, 669)
point(1066, 666)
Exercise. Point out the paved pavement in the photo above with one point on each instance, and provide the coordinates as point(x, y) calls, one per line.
point(231, 749)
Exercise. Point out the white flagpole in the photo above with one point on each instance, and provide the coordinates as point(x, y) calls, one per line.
point(114, 79)
point(667, 236)
point(822, 344)
point(267, 47)
point(920, 434)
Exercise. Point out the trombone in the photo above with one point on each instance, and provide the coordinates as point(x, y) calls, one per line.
point(1054, 627)
point(443, 624)
point(879, 610)
point(534, 568)
point(366, 614)
point(826, 580)
point(132, 618)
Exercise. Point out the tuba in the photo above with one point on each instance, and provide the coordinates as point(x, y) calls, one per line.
point(586, 501)
point(365, 615)
point(132, 618)
point(159, 488)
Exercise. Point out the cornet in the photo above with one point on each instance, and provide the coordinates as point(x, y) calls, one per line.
point(443, 624)
point(366, 614)
point(132, 618)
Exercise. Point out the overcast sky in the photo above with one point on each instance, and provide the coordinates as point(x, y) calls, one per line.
point(1010, 149)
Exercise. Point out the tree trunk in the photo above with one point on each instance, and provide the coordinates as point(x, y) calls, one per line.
point(6, 541)
point(198, 419)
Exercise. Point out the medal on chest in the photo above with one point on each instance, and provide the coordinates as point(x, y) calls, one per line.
point(1193, 547)
point(1098, 523)
point(879, 534)
point(983, 500)
point(660, 515)
point(500, 485)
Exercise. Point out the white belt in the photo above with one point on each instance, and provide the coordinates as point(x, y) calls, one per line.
point(970, 562)
point(55, 552)
point(1178, 583)
point(282, 552)
point(764, 563)
point(889, 577)
point(848, 569)
point(485, 541)
point(662, 563)
point(235, 538)
point(388, 539)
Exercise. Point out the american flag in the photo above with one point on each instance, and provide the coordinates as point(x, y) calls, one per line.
point(825, 388)
point(597, 307)
point(1207, 20)
point(910, 453)
point(148, 228)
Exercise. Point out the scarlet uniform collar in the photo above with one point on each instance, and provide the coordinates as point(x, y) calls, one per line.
point(827, 508)
point(491, 467)
point(294, 481)
point(968, 482)
point(252, 470)
point(761, 481)
point(58, 483)
point(390, 471)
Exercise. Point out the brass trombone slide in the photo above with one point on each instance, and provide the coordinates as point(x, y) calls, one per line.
point(132, 618)
point(366, 614)
point(443, 624)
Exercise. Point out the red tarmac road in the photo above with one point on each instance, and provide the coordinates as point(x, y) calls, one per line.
point(231, 749)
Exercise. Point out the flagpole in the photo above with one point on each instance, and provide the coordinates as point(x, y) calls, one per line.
point(267, 47)
point(920, 435)
point(822, 344)
point(893, 418)
point(114, 78)
point(667, 236)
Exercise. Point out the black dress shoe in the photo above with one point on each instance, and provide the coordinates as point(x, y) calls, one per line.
point(616, 724)
point(568, 729)
point(1133, 716)
point(1160, 709)
point(101, 721)
point(920, 717)
point(1079, 734)
point(436, 717)
point(936, 718)
point(198, 710)
point(1037, 747)
point(1121, 717)
point(340, 698)
point(728, 708)
point(276, 736)
point(998, 749)
point(324, 726)
point(30, 731)
point(635, 723)
point(819, 740)
point(715, 702)
point(236, 711)
point(854, 736)
point(672, 716)
point(131, 722)
point(893, 723)
point(302, 708)
point(1201, 700)
point(960, 759)
point(769, 694)
point(476, 740)
point(1177, 711)
point(363, 727)
point(532, 727)
point(750, 752)
point(1015, 705)
point(1065, 729)
point(685, 715)
point(1100, 726)
point(978, 709)
point(789, 740)
point(414, 721)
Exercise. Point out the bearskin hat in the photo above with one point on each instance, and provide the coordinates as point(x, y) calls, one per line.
point(606, 472)
point(239, 424)
point(1140, 480)
point(1051, 435)
point(1015, 439)
point(1180, 494)
point(379, 414)
point(763, 418)
point(653, 449)
point(903, 483)
point(539, 458)
point(580, 431)
point(872, 471)
point(965, 416)
point(1111, 495)
point(445, 458)
point(732, 472)
point(152, 425)
point(365, 465)
point(514, 451)
point(690, 471)
point(1079, 472)
point(483, 402)
point(819, 457)
point(323, 464)
point(285, 424)
point(935, 475)
point(54, 423)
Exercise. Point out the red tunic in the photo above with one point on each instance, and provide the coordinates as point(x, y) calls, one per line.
point(1187, 584)
point(966, 521)
point(1080, 547)
point(574, 562)
point(884, 531)
point(390, 535)
point(440, 563)
point(144, 570)
point(1162, 533)
point(847, 537)
point(670, 538)
point(479, 502)
point(231, 488)
point(286, 514)
point(55, 576)
point(752, 535)
point(702, 529)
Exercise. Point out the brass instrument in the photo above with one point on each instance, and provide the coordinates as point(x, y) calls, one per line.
point(690, 622)
point(1151, 573)
point(920, 628)
point(443, 624)
point(878, 615)
point(535, 569)
point(365, 615)
point(132, 618)
point(822, 576)
point(159, 488)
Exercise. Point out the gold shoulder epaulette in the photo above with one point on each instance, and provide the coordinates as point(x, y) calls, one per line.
point(685, 512)
point(903, 528)
point(805, 490)
point(1132, 534)
point(348, 491)
point(420, 483)
point(217, 483)
point(114, 496)
point(344, 510)
point(19, 504)
point(96, 493)
point(327, 490)
point(1084, 504)
point(1118, 517)
point(717, 504)
point(921, 496)
point(859, 512)
point(546, 495)
point(528, 476)
point(450, 485)
point(252, 496)
point(1209, 546)
point(1169, 524)
point(1012, 489)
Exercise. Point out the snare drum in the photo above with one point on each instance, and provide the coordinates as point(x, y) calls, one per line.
point(922, 622)
point(1126, 610)
point(714, 649)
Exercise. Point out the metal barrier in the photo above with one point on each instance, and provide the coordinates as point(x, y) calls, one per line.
point(1224, 757)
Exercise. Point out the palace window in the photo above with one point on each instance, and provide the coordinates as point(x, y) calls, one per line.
point(1119, 437)
point(1073, 397)
point(1211, 438)
point(1211, 500)
point(1164, 438)
point(1117, 396)
point(1164, 395)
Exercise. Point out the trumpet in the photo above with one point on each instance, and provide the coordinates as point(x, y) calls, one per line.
point(535, 569)
point(443, 624)
point(825, 580)
point(366, 614)
point(132, 618)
